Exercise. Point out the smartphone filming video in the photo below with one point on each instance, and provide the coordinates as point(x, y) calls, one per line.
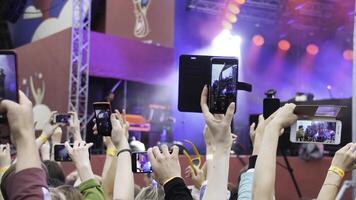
point(140, 163)
point(8, 78)
point(222, 90)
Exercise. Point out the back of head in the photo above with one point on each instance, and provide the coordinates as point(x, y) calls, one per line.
point(70, 192)
point(54, 170)
point(151, 192)
point(56, 194)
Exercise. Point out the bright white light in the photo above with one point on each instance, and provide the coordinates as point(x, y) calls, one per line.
point(225, 44)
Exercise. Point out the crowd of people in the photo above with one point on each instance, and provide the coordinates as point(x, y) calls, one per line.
point(34, 175)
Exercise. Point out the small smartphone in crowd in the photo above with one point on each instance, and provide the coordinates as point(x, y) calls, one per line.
point(324, 131)
point(62, 118)
point(61, 153)
point(223, 84)
point(102, 112)
point(8, 78)
point(140, 163)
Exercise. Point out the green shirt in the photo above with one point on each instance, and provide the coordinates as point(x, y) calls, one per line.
point(91, 190)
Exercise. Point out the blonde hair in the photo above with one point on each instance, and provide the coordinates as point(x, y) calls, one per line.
point(151, 193)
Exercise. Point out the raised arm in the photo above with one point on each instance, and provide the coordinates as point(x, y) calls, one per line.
point(89, 187)
point(265, 170)
point(109, 168)
point(124, 183)
point(218, 136)
point(343, 162)
point(29, 173)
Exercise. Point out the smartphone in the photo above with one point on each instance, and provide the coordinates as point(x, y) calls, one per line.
point(316, 131)
point(61, 153)
point(62, 118)
point(140, 163)
point(223, 81)
point(8, 79)
point(102, 112)
point(270, 105)
point(193, 75)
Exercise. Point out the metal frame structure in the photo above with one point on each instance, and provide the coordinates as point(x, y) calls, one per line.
point(79, 62)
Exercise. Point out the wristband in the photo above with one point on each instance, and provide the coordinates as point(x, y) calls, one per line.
point(111, 151)
point(123, 150)
point(170, 179)
point(337, 171)
point(43, 138)
point(3, 169)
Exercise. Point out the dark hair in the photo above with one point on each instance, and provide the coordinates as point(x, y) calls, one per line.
point(54, 171)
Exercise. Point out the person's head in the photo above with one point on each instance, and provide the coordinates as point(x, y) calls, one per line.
point(70, 192)
point(54, 170)
point(56, 194)
point(300, 127)
point(151, 192)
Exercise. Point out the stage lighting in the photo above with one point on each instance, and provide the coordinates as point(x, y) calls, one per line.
point(284, 45)
point(226, 44)
point(234, 9)
point(231, 17)
point(226, 25)
point(348, 54)
point(240, 1)
point(312, 49)
point(258, 40)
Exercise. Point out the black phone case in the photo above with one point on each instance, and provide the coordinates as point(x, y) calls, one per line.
point(193, 75)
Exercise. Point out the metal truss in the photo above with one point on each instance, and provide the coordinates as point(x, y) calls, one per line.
point(79, 63)
point(212, 7)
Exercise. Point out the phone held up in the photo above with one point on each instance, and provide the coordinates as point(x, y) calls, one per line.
point(61, 154)
point(8, 79)
point(140, 162)
point(102, 112)
point(223, 84)
point(62, 118)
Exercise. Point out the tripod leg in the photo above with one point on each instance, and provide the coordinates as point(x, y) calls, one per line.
point(290, 170)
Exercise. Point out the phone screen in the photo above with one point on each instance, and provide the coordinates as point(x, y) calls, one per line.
point(8, 78)
point(141, 163)
point(223, 85)
point(102, 115)
point(61, 153)
point(316, 131)
point(63, 118)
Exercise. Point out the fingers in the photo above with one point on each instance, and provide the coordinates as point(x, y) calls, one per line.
point(230, 113)
point(152, 157)
point(5, 105)
point(165, 150)
point(261, 119)
point(68, 147)
point(346, 147)
point(175, 150)
point(157, 153)
point(23, 100)
point(114, 121)
point(203, 103)
point(252, 127)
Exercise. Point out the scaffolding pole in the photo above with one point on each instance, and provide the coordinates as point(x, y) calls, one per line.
point(79, 62)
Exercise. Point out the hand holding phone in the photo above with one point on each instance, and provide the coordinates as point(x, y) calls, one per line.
point(61, 154)
point(62, 118)
point(8, 79)
point(102, 118)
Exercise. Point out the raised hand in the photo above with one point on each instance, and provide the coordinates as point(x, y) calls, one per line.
point(120, 127)
point(165, 165)
point(80, 156)
point(345, 158)
point(74, 126)
point(218, 125)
